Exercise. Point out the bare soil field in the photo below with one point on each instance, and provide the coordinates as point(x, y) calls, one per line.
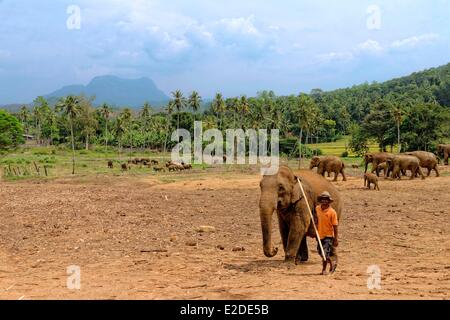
point(138, 238)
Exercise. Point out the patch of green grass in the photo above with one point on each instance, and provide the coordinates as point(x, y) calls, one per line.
point(338, 147)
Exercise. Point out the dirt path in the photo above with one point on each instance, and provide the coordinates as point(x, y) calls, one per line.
point(133, 239)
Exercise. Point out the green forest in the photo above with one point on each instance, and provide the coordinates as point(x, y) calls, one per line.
point(408, 113)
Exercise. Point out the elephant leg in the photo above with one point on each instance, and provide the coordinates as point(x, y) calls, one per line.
point(344, 178)
point(302, 254)
point(284, 231)
point(396, 173)
point(421, 173)
point(429, 171)
point(336, 173)
point(437, 171)
point(296, 234)
point(374, 167)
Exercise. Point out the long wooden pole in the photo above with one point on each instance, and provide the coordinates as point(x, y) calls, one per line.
point(312, 220)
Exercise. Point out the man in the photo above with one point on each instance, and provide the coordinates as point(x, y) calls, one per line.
point(327, 226)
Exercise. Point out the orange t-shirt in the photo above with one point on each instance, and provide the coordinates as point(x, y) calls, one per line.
point(326, 220)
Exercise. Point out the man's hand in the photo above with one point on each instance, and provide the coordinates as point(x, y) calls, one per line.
point(335, 242)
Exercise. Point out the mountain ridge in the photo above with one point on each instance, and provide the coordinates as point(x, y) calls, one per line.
point(116, 91)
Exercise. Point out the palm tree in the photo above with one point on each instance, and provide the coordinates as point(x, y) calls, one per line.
point(37, 114)
point(169, 110)
point(179, 102)
point(145, 117)
point(105, 111)
point(87, 120)
point(235, 107)
point(70, 107)
point(24, 115)
point(306, 109)
point(219, 107)
point(195, 101)
point(120, 128)
point(397, 112)
point(146, 111)
point(244, 108)
point(127, 118)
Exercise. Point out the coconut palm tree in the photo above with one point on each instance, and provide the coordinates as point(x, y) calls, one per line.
point(145, 120)
point(169, 108)
point(120, 128)
point(244, 109)
point(24, 115)
point(195, 101)
point(306, 110)
point(219, 107)
point(398, 113)
point(87, 120)
point(179, 102)
point(106, 111)
point(127, 118)
point(70, 107)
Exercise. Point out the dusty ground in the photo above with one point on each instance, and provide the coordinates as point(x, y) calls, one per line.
point(130, 238)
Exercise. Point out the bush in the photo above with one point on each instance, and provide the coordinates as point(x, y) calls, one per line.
point(11, 131)
point(344, 154)
point(359, 141)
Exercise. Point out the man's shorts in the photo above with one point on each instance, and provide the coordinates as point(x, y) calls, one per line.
point(328, 248)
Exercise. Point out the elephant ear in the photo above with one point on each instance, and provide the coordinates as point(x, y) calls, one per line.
point(296, 193)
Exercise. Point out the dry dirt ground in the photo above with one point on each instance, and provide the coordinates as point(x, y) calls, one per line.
point(136, 238)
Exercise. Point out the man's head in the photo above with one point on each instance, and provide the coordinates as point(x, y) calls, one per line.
point(325, 199)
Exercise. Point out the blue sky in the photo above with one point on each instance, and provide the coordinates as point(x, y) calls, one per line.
point(235, 47)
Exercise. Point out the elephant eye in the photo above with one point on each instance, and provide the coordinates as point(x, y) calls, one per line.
point(280, 188)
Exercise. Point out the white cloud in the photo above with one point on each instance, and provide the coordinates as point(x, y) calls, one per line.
point(240, 25)
point(370, 46)
point(415, 41)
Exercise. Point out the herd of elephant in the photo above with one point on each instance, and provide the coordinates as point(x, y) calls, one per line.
point(154, 164)
point(393, 165)
point(281, 193)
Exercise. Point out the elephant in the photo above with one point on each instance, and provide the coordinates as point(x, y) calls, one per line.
point(383, 167)
point(124, 167)
point(376, 159)
point(281, 193)
point(154, 162)
point(445, 149)
point(427, 160)
point(328, 164)
point(186, 166)
point(370, 178)
point(402, 163)
point(110, 164)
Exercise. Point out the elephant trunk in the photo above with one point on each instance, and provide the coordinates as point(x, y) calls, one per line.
point(367, 163)
point(267, 206)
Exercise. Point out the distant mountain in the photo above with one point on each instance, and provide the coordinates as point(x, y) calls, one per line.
point(116, 91)
point(14, 107)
